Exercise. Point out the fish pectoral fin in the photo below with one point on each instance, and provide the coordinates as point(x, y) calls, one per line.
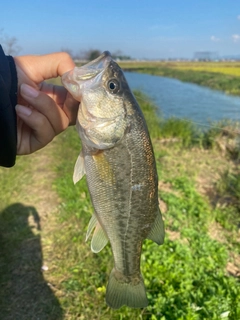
point(79, 169)
point(99, 239)
point(157, 232)
point(92, 224)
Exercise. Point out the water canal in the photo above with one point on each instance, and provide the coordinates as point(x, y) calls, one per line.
point(186, 100)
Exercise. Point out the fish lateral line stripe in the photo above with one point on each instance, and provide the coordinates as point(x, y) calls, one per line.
point(129, 206)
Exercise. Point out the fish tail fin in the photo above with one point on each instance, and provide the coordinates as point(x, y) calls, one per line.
point(121, 291)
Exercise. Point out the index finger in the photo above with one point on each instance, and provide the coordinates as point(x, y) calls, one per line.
point(40, 68)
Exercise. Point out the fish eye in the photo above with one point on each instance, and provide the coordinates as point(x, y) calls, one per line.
point(113, 85)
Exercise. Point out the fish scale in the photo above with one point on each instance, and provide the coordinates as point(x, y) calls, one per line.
point(118, 159)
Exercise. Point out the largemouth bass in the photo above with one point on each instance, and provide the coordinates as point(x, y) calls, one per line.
point(118, 159)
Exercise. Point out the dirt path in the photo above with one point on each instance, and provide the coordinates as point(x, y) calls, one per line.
point(25, 238)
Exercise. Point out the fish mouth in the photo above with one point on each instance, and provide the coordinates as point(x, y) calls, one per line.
point(74, 80)
point(93, 68)
point(100, 62)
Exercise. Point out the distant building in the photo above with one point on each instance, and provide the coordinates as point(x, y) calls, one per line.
point(205, 56)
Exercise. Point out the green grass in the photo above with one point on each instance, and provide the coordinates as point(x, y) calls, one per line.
point(228, 188)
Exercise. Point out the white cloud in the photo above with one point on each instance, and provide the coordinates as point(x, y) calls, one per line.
point(214, 39)
point(236, 37)
point(238, 17)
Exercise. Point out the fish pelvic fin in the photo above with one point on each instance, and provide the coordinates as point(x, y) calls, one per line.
point(99, 239)
point(157, 232)
point(121, 291)
point(79, 169)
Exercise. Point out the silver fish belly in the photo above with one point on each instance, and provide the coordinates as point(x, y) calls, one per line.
point(122, 180)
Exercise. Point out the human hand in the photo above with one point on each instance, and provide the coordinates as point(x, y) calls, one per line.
point(44, 110)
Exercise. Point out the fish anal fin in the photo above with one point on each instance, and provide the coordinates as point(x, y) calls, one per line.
point(79, 169)
point(157, 232)
point(99, 239)
point(120, 292)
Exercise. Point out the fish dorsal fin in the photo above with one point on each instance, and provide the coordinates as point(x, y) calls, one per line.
point(99, 239)
point(92, 224)
point(157, 232)
point(79, 169)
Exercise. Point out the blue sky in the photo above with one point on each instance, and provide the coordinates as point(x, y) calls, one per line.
point(142, 29)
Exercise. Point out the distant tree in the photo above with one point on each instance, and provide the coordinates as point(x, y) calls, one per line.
point(9, 44)
point(91, 54)
point(94, 53)
point(118, 55)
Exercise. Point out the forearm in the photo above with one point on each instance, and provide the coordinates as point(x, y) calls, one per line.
point(8, 101)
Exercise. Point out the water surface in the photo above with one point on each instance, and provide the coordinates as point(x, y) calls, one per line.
point(186, 100)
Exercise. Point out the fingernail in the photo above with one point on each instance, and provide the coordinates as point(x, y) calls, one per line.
point(29, 91)
point(23, 110)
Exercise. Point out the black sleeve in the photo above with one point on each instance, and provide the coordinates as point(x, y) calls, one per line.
point(8, 101)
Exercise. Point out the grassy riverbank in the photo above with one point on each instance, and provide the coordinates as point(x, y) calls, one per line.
point(216, 75)
point(43, 221)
